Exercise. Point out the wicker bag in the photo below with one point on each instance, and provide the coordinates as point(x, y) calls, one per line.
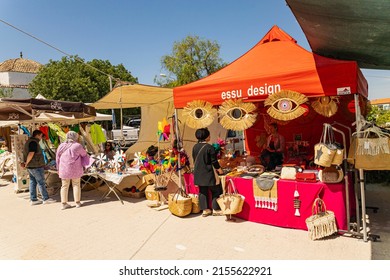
point(325, 150)
point(151, 193)
point(179, 203)
point(195, 203)
point(332, 174)
point(231, 202)
point(322, 222)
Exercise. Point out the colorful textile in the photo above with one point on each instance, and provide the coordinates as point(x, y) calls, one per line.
point(267, 199)
point(97, 134)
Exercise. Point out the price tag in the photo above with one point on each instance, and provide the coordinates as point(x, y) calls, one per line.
point(366, 145)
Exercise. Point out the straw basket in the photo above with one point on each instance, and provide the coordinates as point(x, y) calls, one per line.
point(151, 193)
point(195, 203)
point(179, 203)
point(322, 223)
point(231, 202)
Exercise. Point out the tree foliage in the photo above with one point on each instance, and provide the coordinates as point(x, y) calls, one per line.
point(191, 59)
point(72, 79)
point(6, 92)
point(379, 116)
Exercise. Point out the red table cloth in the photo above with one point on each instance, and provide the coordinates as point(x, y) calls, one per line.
point(332, 194)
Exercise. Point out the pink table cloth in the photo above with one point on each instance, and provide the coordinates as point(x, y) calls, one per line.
point(332, 194)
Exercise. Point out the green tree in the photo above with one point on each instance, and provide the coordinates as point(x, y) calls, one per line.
point(191, 59)
point(72, 79)
point(380, 117)
point(6, 92)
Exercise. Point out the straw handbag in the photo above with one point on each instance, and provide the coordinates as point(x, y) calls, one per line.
point(371, 151)
point(231, 202)
point(179, 203)
point(195, 203)
point(332, 174)
point(322, 223)
point(325, 150)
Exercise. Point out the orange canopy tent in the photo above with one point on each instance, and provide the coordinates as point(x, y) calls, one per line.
point(275, 63)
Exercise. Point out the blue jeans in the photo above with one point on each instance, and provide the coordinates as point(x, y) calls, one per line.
point(37, 176)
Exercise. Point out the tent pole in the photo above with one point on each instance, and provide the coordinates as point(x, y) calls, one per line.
point(178, 148)
point(361, 172)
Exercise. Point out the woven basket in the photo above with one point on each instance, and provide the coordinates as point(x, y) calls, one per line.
point(322, 223)
point(338, 157)
point(179, 203)
point(331, 174)
point(151, 194)
point(195, 203)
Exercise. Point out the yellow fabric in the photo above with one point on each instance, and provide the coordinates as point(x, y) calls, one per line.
point(97, 134)
point(266, 199)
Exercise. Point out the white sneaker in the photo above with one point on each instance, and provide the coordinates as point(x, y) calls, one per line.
point(49, 200)
point(66, 206)
point(35, 202)
point(78, 204)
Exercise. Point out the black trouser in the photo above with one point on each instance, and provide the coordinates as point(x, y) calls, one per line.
point(216, 191)
point(271, 159)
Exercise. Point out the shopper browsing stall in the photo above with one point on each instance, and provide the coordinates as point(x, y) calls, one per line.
point(205, 160)
point(34, 162)
point(71, 157)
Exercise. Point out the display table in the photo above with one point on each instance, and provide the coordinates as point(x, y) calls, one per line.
point(112, 180)
point(332, 194)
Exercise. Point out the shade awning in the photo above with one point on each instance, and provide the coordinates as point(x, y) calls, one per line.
point(134, 95)
point(345, 29)
point(31, 109)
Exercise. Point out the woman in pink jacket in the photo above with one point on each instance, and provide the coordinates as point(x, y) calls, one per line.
point(71, 159)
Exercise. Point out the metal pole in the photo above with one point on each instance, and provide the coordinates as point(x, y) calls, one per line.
point(112, 110)
point(361, 171)
point(178, 141)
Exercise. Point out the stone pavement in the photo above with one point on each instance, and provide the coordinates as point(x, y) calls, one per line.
point(108, 230)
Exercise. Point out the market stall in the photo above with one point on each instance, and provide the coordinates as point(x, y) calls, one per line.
point(298, 90)
point(37, 113)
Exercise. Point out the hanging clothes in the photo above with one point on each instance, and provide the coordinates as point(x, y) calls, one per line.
point(45, 130)
point(97, 134)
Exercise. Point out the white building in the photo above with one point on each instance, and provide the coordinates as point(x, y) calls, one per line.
point(16, 74)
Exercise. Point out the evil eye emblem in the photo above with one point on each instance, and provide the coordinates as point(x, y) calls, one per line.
point(199, 114)
point(285, 105)
point(237, 115)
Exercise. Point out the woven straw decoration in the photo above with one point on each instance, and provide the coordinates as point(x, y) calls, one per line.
point(199, 114)
point(325, 105)
point(285, 105)
point(245, 119)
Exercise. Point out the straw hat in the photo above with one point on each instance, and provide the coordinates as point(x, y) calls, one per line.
point(325, 105)
point(199, 114)
point(285, 105)
point(237, 115)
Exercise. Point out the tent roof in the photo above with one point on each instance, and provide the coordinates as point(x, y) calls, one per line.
point(275, 63)
point(345, 29)
point(134, 95)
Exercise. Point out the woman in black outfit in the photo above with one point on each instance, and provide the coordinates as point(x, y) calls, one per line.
point(205, 158)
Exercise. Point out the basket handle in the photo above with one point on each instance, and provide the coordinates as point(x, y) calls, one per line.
point(318, 206)
point(232, 189)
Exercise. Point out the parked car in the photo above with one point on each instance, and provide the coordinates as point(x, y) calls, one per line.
point(125, 137)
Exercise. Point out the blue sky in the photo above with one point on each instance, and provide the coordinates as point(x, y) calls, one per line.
point(138, 33)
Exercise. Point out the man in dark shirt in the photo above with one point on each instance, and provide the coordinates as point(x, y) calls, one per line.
point(34, 162)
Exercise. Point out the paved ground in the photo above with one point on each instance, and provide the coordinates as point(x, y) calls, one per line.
point(109, 230)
